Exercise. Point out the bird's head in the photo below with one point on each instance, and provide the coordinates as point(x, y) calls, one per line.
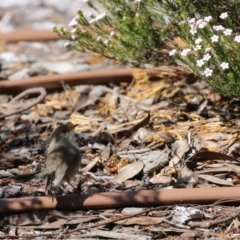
point(64, 131)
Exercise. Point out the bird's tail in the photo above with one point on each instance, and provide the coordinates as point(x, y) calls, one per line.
point(26, 177)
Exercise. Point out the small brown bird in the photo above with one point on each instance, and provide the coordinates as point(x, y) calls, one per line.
point(63, 158)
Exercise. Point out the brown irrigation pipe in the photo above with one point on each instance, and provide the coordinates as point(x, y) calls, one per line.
point(51, 82)
point(28, 35)
point(54, 81)
point(102, 76)
point(142, 198)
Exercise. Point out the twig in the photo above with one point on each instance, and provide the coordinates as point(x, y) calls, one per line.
point(208, 224)
point(90, 165)
point(62, 232)
point(176, 225)
point(134, 151)
point(231, 144)
point(104, 222)
point(97, 178)
point(42, 94)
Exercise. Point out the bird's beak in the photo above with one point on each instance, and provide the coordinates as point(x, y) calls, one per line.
point(71, 127)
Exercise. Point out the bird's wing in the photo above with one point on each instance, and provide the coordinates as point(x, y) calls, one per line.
point(60, 173)
point(74, 160)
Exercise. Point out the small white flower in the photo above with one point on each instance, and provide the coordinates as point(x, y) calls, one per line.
point(53, 26)
point(117, 9)
point(199, 21)
point(206, 57)
point(227, 32)
point(202, 24)
point(198, 47)
point(208, 72)
point(237, 39)
point(73, 22)
point(137, 14)
point(185, 52)
point(172, 52)
point(214, 38)
point(207, 19)
point(200, 63)
point(198, 40)
point(112, 33)
point(98, 38)
point(218, 28)
point(67, 44)
point(106, 41)
point(74, 30)
point(207, 49)
point(224, 65)
point(224, 15)
point(192, 20)
point(193, 30)
point(98, 18)
point(74, 37)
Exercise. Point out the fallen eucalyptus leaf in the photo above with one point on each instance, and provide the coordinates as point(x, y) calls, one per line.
point(128, 172)
point(216, 180)
point(180, 148)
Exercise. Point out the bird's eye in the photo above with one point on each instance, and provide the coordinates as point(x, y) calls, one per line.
point(64, 131)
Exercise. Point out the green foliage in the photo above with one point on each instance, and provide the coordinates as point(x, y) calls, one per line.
point(129, 33)
point(144, 33)
point(216, 58)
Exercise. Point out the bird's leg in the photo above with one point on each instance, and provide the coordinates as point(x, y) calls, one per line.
point(79, 186)
point(48, 189)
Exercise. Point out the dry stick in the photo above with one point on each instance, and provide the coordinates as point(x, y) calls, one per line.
point(104, 222)
point(208, 224)
point(231, 144)
point(133, 151)
point(90, 165)
point(42, 94)
point(176, 225)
